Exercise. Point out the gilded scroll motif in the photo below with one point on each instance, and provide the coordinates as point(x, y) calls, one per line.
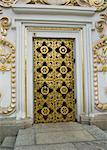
point(7, 63)
point(4, 25)
point(53, 80)
point(102, 24)
point(100, 66)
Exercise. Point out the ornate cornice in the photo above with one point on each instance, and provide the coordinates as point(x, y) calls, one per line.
point(98, 4)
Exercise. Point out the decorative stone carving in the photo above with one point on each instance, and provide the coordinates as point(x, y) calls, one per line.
point(7, 63)
point(101, 24)
point(4, 25)
point(100, 59)
point(7, 3)
point(99, 4)
point(100, 66)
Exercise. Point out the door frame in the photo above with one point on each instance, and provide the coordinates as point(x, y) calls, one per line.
point(82, 35)
point(48, 32)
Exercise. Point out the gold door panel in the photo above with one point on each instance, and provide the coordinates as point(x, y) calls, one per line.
point(53, 80)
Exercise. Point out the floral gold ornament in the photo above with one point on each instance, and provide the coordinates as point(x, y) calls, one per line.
point(53, 80)
point(63, 69)
point(44, 49)
point(4, 25)
point(45, 90)
point(45, 111)
point(100, 66)
point(64, 110)
point(7, 63)
point(44, 70)
point(64, 90)
point(63, 50)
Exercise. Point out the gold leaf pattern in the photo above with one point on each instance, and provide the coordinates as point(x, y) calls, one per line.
point(53, 80)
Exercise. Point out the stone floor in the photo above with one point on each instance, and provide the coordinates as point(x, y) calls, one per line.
point(58, 136)
point(61, 136)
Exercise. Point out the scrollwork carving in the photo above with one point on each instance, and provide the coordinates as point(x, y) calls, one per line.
point(101, 24)
point(7, 63)
point(4, 25)
point(100, 65)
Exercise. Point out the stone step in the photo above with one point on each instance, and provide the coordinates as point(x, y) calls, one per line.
point(4, 148)
point(93, 145)
point(10, 127)
point(65, 146)
point(25, 137)
point(8, 142)
point(58, 136)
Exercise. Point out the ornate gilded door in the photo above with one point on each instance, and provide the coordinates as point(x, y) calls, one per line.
point(53, 80)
